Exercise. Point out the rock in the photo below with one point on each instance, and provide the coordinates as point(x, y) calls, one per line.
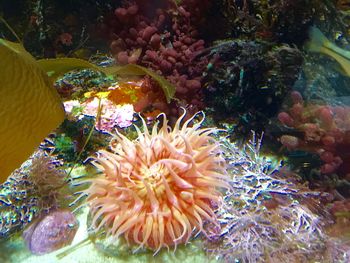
point(51, 232)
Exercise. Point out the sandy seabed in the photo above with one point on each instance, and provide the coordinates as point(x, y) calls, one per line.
point(89, 253)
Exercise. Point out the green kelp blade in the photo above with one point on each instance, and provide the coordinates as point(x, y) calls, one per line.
point(58, 66)
point(132, 69)
point(10, 29)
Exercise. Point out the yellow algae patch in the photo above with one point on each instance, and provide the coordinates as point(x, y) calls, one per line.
point(30, 107)
point(101, 94)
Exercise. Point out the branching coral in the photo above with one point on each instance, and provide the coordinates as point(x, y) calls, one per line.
point(29, 191)
point(160, 188)
point(264, 217)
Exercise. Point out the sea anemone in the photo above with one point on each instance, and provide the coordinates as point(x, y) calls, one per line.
point(159, 189)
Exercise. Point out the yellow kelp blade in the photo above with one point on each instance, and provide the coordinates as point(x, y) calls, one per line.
point(30, 108)
point(58, 66)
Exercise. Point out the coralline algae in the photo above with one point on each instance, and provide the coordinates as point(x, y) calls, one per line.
point(51, 232)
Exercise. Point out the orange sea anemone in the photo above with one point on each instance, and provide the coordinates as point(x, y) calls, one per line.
point(159, 189)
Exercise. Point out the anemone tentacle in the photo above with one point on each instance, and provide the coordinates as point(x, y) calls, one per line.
point(159, 189)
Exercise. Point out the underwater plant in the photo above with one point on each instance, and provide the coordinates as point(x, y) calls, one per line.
point(158, 189)
point(30, 105)
point(251, 82)
point(264, 216)
point(48, 180)
point(164, 37)
point(30, 114)
point(319, 43)
point(74, 84)
point(31, 190)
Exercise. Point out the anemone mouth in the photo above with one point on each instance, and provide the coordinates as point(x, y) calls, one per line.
point(159, 188)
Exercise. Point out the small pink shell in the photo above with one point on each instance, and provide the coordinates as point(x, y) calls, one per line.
point(51, 232)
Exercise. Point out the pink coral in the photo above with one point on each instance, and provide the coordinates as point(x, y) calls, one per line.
point(112, 115)
point(325, 131)
point(165, 40)
point(65, 39)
